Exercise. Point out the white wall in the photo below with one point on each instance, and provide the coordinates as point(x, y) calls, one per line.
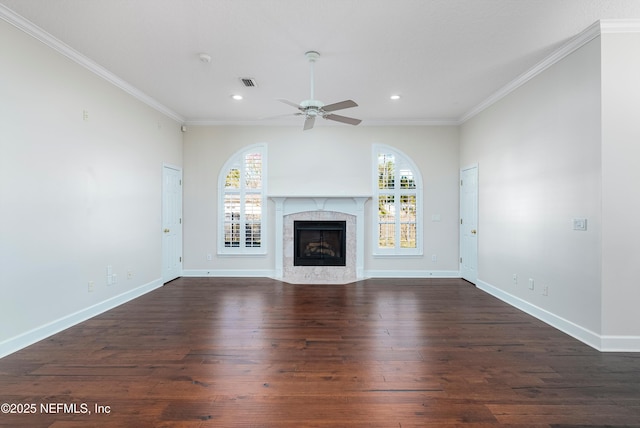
point(76, 195)
point(538, 151)
point(565, 146)
point(620, 176)
point(328, 160)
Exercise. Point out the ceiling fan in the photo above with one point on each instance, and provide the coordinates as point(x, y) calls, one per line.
point(312, 108)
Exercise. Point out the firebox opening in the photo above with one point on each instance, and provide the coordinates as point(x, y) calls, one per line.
point(319, 243)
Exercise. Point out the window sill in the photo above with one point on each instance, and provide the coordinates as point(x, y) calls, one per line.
point(230, 254)
point(398, 255)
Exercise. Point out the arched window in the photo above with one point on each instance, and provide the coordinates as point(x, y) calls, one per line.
point(397, 203)
point(242, 203)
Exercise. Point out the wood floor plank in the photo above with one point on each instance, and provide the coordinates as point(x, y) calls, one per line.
point(256, 352)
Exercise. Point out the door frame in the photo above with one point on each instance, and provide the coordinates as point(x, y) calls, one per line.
point(165, 273)
point(464, 242)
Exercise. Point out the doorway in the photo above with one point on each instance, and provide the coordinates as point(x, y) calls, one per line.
point(171, 223)
point(469, 223)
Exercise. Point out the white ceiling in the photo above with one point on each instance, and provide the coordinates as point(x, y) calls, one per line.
point(444, 57)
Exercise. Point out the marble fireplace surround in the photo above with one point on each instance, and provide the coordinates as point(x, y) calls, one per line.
point(318, 208)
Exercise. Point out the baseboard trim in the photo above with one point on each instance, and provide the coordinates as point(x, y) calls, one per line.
point(620, 343)
point(599, 342)
point(37, 334)
point(412, 274)
point(250, 273)
point(266, 273)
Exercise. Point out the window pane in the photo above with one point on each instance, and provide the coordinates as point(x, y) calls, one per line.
point(232, 180)
point(232, 234)
point(232, 220)
point(386, 208)
point(387, 235)
point(231, 207)
point(408, 208)
point(252, 215)
point(408, 235)
point(252, 235)
point(253, 170)
point(407, 181)
point(253, 207)
point(386, 171)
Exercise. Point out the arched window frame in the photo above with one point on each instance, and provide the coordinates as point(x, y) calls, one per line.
point(242, 215)
point(392, 192)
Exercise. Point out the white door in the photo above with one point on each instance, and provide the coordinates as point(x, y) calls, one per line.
point(171, 223)
point(469, 223)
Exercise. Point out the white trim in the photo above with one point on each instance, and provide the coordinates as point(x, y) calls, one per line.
point(248, 273)
point(412, 273)
point(66, 50)
point(620, 343)
point(402, 158)
point(619, 26)
point(597, 341)
point(571, 46)
point(239, 156)
point(37, 334)
point(288, 123)
point(609, 26)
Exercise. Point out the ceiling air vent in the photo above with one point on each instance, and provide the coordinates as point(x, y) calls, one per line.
point(248, 82)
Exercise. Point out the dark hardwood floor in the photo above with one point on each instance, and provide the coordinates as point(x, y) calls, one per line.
point(222, 352)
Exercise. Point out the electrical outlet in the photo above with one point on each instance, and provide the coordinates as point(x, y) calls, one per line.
point(129, 274)
point(434, 258)
point(515, 279)
point(90, 286)
point(209, 257)
point(114, 278)
point(110, 279)
point(530, 283)
point(545, 290)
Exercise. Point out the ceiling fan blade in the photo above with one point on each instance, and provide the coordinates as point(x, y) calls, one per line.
point(308, 122)
point(277, 116)
point(339, 106)
point(291, 103)
point(343, 119)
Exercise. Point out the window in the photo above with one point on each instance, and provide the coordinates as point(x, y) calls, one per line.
point(242, 202)
point(398, 203)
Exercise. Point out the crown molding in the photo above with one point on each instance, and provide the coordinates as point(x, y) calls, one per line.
point(571, 46)
point(609, 26)
point(66, 50)
point(365, 123)
point(619, 26)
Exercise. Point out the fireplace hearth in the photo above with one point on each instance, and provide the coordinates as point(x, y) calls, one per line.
point(319, 243)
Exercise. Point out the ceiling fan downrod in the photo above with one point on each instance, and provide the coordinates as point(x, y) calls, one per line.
point(312, 56)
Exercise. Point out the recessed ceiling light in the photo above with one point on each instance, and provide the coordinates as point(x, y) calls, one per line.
point(395, 97)
point(237, 97)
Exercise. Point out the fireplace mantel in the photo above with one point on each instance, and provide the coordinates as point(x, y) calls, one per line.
point(291, 204)
point(319, 202)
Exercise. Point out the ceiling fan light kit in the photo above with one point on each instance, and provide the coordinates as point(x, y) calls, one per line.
point(313, 108)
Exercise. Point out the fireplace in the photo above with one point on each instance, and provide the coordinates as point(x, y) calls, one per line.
point(319, 243)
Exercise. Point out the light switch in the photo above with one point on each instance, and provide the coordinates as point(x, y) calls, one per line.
point(579, 224)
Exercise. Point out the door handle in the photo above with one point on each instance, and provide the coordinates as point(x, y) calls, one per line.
point(167, 231)
point(473, 231)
